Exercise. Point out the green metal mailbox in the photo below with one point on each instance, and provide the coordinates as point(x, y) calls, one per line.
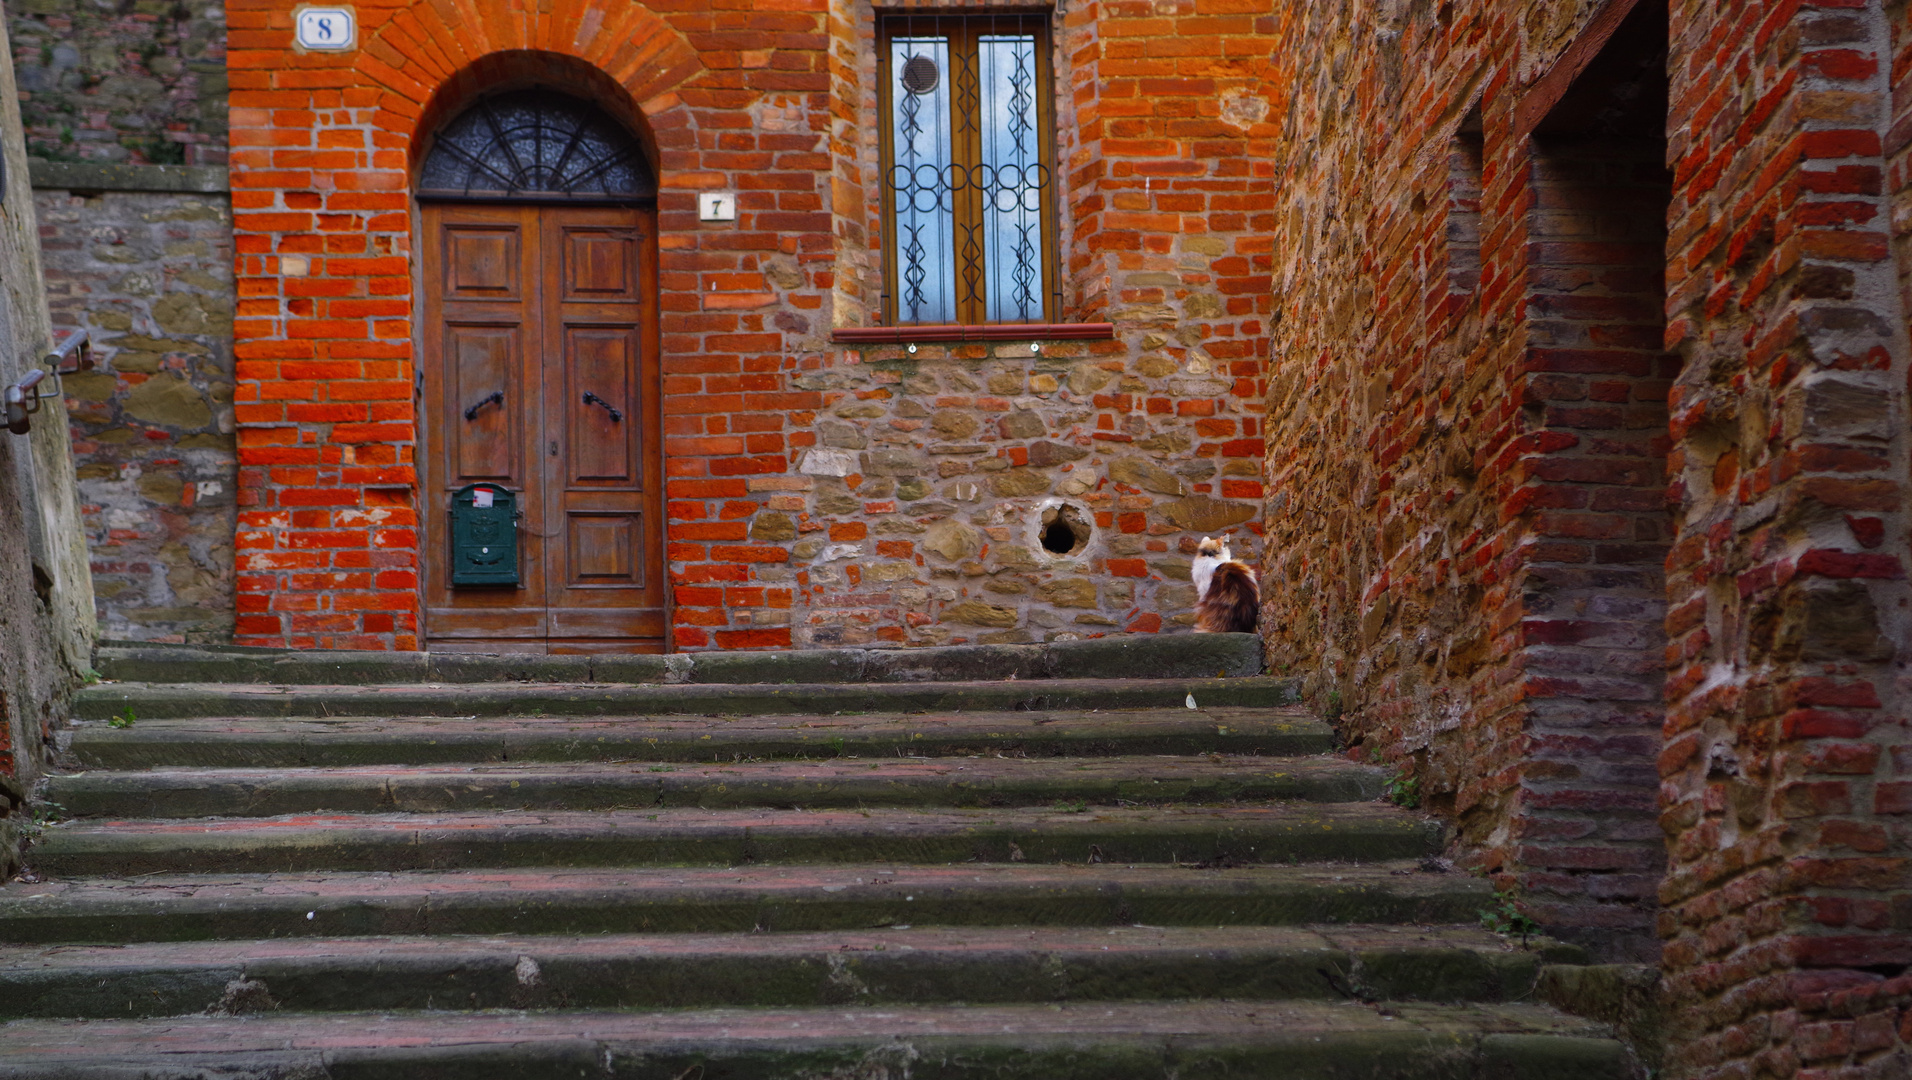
point(484, 536)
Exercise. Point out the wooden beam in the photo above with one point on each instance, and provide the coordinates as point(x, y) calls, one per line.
point(1551, 87)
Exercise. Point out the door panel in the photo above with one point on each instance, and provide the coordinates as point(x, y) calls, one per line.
point(603, 363)
point(482, 361)
point(483, 262)
point(606, 549)
point(546, 304)
point(599, 263)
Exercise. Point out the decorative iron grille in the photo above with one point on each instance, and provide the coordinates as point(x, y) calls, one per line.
point(968, 165)
point(533, 144)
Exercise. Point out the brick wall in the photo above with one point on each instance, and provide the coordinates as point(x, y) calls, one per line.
point(139, 83)
point(1783, 790)
point(1585, 847)
point(817, 494)
point(1463, 387)
point(1494, 451)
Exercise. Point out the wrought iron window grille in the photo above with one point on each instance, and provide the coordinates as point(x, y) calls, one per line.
point(967, 106)
point(534, 145)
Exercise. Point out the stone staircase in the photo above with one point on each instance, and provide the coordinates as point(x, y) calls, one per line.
point(1131, 857)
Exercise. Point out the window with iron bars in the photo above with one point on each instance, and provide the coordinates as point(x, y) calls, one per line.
point(969, 180)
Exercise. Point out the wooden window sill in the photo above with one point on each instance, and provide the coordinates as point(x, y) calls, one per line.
point(926, 335)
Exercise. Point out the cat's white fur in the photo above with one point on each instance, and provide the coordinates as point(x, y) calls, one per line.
point(1211, 554)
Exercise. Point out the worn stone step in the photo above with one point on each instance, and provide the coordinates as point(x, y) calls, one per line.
point(378, 740)
point(1100, 1041)
point(916, 965)
point(922, 782)
point(164, 701)
point(201, 907)
point(1119, 656)
point(694, 837)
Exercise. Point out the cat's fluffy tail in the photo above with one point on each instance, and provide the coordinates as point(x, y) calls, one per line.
point(1232, 603)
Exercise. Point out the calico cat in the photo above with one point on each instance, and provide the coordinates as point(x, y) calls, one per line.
point(1228, 599)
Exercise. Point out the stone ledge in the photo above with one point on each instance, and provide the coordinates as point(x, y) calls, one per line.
point(733, 900)
point(1626, 996)
point(1136, 656)
point(413, 698)
point(104, 176)
point(379, 742)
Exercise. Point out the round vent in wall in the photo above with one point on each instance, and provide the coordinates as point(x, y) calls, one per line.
point(920, 75)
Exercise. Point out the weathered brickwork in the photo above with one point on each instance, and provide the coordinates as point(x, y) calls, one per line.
point(1786, 905)
point(1466, 387)
point(1492, 427)
point(817, 493)
point(149, 275)
point(141, 82)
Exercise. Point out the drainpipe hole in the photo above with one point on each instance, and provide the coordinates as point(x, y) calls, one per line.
point(1064, 530)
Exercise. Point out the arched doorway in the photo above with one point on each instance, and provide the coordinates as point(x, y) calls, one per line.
point(540, 370)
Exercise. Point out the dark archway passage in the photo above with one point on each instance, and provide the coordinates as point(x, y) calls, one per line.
point(1588, 846)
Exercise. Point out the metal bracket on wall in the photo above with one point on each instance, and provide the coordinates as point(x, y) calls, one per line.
point(22, 399)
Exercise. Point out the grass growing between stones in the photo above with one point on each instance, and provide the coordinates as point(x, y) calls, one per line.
point(1505, 917)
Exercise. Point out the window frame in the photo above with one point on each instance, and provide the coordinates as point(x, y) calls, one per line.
point(963, 31)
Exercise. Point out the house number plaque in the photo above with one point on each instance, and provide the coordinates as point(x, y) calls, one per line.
point(326, 29)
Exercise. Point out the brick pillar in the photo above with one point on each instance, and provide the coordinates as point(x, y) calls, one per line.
point(1788, 903)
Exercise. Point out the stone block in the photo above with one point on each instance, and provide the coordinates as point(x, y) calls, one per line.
point(506, 667)
point(952, 663)
point(637, 668)
point(1158, 656)
point(953, 540)
point(1628, 996)
point(977, 613)
point(1070, 592)
point(1146, 475)
point(1203, 514)
point(804, 666)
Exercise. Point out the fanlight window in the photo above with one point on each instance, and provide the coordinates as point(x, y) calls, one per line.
point(530, 145)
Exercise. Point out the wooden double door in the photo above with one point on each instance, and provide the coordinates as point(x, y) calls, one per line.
point(541, 377)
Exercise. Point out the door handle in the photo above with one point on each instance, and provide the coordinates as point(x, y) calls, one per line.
point(496, 397)
point(593, 399)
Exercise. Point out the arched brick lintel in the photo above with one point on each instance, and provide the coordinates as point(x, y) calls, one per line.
point(531, 68)
point(433, 58)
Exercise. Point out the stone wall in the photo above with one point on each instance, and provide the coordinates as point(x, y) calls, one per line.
point(930, 501)
point(140, 82)
point(149, 274)
point(46, 628)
